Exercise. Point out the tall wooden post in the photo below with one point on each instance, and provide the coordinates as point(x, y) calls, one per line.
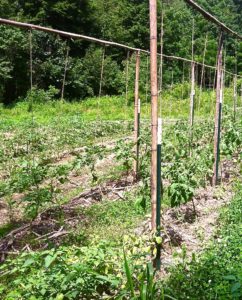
point(101, 76)
point(31, 58)
point(203, 71)
point(192, 89)
point(192, 96)
point(235, 96)
point(218, 113)
point(161, 58)
point(65, 70)
point(127, 79)
point(154, 107)
point(136, 114)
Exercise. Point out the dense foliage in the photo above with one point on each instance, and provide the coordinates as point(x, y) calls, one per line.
point(122, 21)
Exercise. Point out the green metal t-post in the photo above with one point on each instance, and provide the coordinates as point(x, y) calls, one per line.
point(159, 193)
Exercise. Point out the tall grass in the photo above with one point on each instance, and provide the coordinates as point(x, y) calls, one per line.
point(174, 104)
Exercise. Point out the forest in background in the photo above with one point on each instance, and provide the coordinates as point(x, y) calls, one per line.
point(123, 21)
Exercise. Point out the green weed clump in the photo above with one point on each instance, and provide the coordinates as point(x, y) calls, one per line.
point(89, 272)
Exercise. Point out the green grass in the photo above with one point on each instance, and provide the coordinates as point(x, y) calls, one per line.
point(112, 220)
point(109, 108)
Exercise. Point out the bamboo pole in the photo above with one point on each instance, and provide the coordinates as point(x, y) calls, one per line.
point(161, 59)
point(127, 79)
point(65, 70)
point(147, 84)
point(203, 70)
point(218, 112)
point(31, 58)
point(223, 85)
point(192, 96)
point(94, 40)
point(101, 75)
point(211, 18)
point(136, 114)
point(66, 34)
point(172, 86)
point(235, 96)
point(183, 82)
point(154, 107)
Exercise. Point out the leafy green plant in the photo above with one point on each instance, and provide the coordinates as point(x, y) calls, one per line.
point(124, 154)
point(65, 273)
point(145, 287)
point(89, 159)
point(180, 193)
point(232, 138)
point(41, 96)
point(35, 200)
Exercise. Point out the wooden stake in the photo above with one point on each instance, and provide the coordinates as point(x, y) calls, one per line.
point(154, 107)
point(127, 79)
point(136, 114)
point(203, 71)
point(65, 70)
point(235, 96)
point(147, 84)
point(101, 76)
point(31, 58)
point(192, 95)
point(192, 85)
point(218, 112)
point(172, 85)
point(183, 81)
point(192, 88)
point(161, 58)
